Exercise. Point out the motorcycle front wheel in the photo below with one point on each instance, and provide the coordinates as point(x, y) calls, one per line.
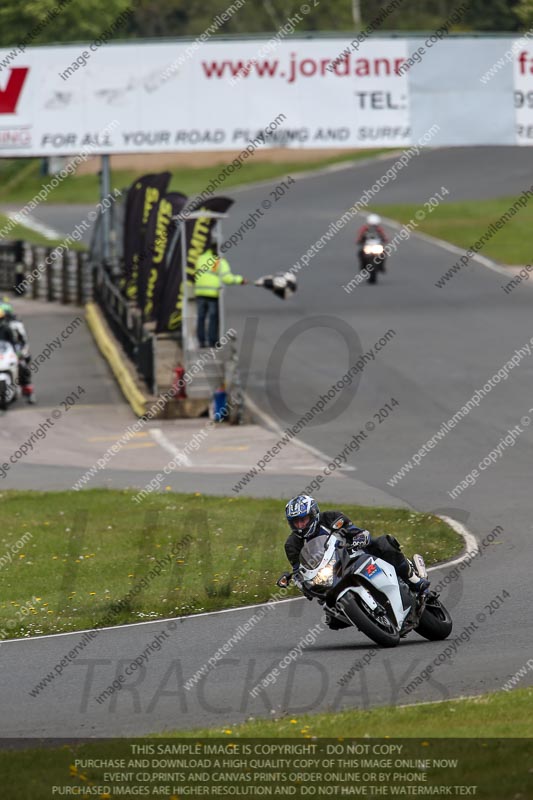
point(369, 267)
point(435, 623)
point(374, 624)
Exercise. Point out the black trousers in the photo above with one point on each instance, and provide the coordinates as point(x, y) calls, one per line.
point(388, 548)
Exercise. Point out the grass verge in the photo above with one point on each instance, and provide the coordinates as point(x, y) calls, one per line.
point(31, 236)
point(381, 755)
point(69, 557)
point(85, 188)
point(463, 223)
point(496, 715)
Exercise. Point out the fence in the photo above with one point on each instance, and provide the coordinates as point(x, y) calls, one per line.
point(126, 324)
point(71, 277)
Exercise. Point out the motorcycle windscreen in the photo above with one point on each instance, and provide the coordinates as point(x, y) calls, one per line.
point(313, 551)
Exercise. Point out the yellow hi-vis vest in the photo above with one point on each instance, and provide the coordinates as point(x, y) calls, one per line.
point(210, 273)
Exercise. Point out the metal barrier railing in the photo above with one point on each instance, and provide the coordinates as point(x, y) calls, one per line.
point(126, 324)
point(69, 277)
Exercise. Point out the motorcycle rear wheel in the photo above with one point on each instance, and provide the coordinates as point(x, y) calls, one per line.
point(435, 623)
point(378, 628)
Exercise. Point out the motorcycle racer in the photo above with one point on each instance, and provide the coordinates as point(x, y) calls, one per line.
point(371, 230)
point(306, 521)
point(13, 331)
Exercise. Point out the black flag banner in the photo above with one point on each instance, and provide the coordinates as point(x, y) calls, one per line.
point(198, 232)
point(143, 195)
point(282, 284)
point(158, 235)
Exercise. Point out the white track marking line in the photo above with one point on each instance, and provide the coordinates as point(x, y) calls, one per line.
point(149, 622)
point(271, 423)
point(34, 225)
point(452, 248)
point(158, 435)
point(470, 544)
point(316, 173)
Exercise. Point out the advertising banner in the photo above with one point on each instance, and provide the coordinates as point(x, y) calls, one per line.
point(158, 236)
point(142, 201)
point(304, 93)
point(198, 234)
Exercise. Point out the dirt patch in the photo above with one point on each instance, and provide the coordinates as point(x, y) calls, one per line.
point(150, 162)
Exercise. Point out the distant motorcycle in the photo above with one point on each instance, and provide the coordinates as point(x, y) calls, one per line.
point(360, 591)
point(9, 370)
point(372, 258)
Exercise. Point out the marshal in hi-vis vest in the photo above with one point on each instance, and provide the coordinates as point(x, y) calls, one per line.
point(211, 272)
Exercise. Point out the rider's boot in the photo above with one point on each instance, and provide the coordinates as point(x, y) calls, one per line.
point(418, 580)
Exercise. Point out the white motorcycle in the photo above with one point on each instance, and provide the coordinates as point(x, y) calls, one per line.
point(358, 590)
point(9, 371)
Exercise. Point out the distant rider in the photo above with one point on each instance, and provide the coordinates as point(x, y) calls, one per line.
point(371, 230)
point(6, 333)
point(13, 331)
point(306, 521)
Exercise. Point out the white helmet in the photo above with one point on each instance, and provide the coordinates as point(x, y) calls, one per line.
point(373, 219)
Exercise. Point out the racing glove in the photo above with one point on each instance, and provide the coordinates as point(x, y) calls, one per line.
point(361, 539)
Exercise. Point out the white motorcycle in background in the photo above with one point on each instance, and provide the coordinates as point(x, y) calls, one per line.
point(9, 370)
point(364, 592)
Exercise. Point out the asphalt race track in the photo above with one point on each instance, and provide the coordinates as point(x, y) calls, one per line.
point(446, 344)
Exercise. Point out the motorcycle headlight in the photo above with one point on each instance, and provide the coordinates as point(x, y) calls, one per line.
point(324, 576)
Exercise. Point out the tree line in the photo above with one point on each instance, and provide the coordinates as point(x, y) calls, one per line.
point(86, 20)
